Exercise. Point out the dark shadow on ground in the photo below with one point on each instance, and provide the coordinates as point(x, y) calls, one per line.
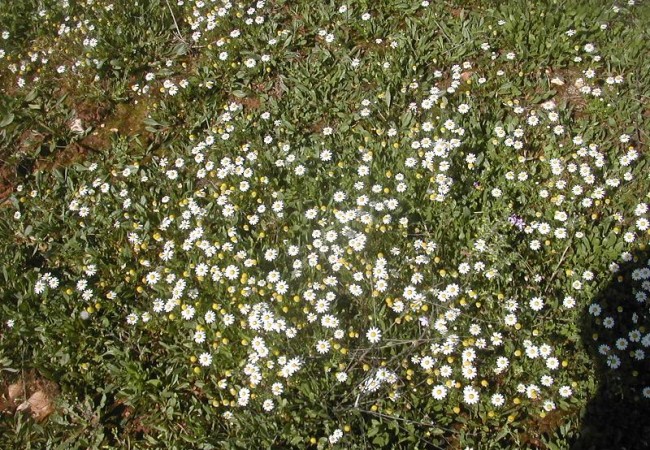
point(618, 416)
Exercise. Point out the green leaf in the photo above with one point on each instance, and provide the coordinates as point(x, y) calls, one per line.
point(380, 440)
point(373, 431)
point(31, 95)
point(8, 119)
point(180, 49)
point(407, 118)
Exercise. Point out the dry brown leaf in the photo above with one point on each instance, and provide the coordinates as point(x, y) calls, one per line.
point(15, 392)
point(40, 405)
point(24, 406)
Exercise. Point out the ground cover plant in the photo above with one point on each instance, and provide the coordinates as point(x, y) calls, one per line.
point(297, 224)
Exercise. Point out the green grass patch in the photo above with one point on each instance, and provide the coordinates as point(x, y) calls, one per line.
point(294, 224)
